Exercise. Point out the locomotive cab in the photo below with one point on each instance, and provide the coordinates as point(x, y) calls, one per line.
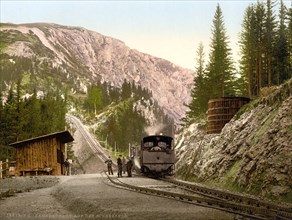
point(157, 155)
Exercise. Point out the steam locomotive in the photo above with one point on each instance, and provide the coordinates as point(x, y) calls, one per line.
point(156, 156)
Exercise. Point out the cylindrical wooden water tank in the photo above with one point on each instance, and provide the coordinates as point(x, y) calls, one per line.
point(221, 111)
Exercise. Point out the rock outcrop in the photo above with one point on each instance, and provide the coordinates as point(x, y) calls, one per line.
point(86, 57)
point(253, 153)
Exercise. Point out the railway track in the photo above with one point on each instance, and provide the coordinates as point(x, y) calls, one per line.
point(248, 204)
point(223, 201)
point(197, 194)
point(93, 143)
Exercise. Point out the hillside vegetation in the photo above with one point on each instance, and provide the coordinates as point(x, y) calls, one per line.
point(48, 70)
point(252, 154)
point(119, 118)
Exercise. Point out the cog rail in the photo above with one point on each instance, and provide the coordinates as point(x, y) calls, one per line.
point(250, 205)
point(245, 210)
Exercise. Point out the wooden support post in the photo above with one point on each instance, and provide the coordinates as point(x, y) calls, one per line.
point(7, 168)
point(0, 169)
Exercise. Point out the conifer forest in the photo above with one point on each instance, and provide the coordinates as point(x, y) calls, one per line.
point(38, 95)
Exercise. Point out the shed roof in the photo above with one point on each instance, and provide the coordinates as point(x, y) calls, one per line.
point(63, 136)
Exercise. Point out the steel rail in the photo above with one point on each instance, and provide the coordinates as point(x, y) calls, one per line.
point(223, 205)
point(276, 211)
point(226, 201)
point(92, 142)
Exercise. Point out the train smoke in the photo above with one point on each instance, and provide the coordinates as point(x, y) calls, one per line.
point(137, 163)
point(155, 129)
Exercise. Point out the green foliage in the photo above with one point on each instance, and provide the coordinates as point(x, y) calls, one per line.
point(198, 105)
point(33, 73)
point(282, 70)
point(220, 69)
point(266, 60)
point(287, 197)
point(218, 79)
point(124, 126)
point(22, 119)
point(266, 121)
point(124, 123)
point(264, 47)
point(94, 98)
point(229, 179)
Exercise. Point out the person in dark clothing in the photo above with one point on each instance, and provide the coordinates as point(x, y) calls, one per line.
point(66, 164)
point(124, 165)
point(129, 167)
point(120, 166)
point(109, 163)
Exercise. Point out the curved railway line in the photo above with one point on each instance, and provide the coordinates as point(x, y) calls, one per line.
point(216, 199)
point(243, 203)
point(196, 194)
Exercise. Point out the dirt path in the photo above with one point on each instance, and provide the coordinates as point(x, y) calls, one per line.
point(33, 205)
point(91, 196)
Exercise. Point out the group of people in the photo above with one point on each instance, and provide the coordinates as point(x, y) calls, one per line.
point(123, 166)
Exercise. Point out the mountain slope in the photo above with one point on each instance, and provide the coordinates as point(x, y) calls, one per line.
point(253, 153)
point(83, 57)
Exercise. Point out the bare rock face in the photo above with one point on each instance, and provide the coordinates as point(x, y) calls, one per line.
point(86, 56)
point(253, 151)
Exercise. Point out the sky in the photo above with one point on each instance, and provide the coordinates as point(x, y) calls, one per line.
point(169, 29)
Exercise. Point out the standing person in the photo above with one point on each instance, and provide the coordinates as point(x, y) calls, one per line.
point(124, 165)
point(66, 164)
point(109, 163)
point(120, 166)
point(129, 167)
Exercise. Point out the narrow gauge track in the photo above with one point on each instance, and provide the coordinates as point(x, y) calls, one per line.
point(236, 201)
point(93, 143)
point(226, 201)
point(201, 200)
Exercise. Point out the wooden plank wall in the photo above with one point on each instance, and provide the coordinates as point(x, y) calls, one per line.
point(38, 155)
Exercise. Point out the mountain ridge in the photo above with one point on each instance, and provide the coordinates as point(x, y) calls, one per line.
point(87, 56)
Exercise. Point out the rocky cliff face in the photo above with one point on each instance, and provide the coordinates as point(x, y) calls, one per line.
point(253, 153)
point(86, 56)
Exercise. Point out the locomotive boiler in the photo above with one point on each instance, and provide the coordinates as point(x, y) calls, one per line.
point(157, 155)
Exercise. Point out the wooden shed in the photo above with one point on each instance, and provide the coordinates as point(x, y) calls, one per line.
point(41, 155)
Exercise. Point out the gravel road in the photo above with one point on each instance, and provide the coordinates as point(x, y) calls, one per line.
point(90, 196)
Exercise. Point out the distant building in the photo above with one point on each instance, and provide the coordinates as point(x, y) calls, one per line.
point(41, 155)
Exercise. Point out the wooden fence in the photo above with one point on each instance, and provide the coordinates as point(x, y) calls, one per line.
point(7, 168)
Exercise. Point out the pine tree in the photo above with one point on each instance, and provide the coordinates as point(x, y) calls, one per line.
point(247, 45)
point(220, 69)
point(259, 40)
point(281, 51)
point(290, 39)
point(94, 99)
point(2, 118)
point(198, 105)
point(33, 123)
point(10, 120)
point(19, 113)
point(269, 41)
point(257, 43)
point(126, 90)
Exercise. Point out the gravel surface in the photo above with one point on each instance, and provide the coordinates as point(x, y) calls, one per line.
point(10, 186)
point(91, 196)
point(30, 198)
